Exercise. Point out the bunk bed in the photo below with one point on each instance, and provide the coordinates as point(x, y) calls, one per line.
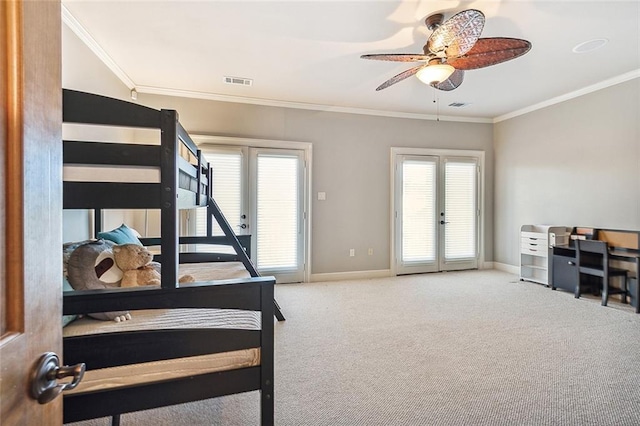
point(186, 342)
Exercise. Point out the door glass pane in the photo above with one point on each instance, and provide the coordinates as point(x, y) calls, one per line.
point(460, 210)
point(277, 212)
point(418, 211)
point(227, 191)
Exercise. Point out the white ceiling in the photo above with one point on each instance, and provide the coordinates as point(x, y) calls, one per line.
point(306, 54)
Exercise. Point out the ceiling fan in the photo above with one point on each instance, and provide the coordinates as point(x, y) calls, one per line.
point(454, 47)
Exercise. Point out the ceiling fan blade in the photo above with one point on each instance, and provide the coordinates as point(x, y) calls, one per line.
point(457, 35)
point(405, 74)
point(452, 82)
point(398, 57)
point(491, 51)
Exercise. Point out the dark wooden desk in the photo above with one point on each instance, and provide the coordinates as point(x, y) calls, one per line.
point(564, 276)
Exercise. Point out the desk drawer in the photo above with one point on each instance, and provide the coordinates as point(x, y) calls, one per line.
point(535, 251)
point(534, 236)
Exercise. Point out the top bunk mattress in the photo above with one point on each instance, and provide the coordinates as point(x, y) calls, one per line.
point(102, 173)
point(213, 271)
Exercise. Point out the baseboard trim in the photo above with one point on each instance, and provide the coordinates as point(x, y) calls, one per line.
point(351, 275)
point(486, 265)
point(383, 273)
point(506, 268)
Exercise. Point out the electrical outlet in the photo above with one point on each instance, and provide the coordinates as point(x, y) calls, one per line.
point(352, 252)
point(370, 252)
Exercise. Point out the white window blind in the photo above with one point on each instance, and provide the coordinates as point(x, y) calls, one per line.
point(418, 211)
point(277, 212)
point(460, 210)
point(227, 192)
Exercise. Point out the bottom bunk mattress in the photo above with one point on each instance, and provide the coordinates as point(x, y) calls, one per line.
point(150, 372)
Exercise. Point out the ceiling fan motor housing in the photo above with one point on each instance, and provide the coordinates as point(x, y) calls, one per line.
point(434, 21)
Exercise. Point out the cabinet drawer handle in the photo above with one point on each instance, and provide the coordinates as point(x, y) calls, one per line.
point(571, 263)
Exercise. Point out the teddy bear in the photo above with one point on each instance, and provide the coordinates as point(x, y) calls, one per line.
point(137, 266)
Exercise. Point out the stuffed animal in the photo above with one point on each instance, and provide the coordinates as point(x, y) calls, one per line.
point(91, 266)
point(135, 263)
point(137, 266)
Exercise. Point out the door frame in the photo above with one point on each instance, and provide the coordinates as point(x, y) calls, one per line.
point(307, 148)
point(396, 151)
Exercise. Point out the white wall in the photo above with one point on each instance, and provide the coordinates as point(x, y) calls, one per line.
point(82, 70)
point(574, 164)
point(351, 155)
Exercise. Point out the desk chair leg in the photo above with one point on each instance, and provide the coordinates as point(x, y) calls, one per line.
point(605, 291)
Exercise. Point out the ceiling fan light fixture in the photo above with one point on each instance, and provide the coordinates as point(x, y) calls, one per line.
point(434, 74)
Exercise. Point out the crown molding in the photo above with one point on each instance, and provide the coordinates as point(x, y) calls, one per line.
point(581, 92)
point(92, 44)
point(299, 105)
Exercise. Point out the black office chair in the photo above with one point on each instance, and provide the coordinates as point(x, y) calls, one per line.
point(592, 258)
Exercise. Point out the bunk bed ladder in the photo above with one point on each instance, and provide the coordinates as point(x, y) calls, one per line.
point(214, 210)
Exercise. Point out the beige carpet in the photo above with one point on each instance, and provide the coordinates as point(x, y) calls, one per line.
point(457, 348)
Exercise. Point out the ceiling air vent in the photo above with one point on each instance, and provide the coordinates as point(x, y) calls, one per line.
point(239, 81)
point(458, 104)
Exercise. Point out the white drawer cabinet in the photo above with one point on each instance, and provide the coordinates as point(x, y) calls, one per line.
point(536, 242)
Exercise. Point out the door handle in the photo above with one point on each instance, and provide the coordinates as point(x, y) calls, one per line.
point(442, 222)
point(44, 380)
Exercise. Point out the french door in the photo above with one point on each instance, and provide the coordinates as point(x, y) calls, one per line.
point(261, 193)
point(436, 212)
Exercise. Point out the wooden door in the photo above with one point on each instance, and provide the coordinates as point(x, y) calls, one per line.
point(30, 204)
